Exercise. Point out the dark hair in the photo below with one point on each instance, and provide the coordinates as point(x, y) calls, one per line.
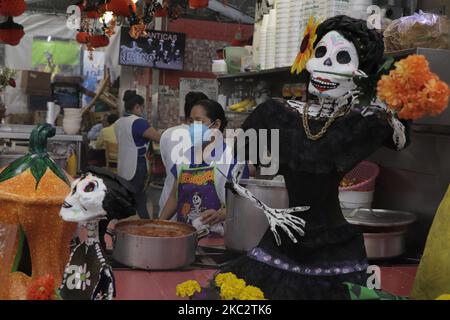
point(369, 43)
point(131, 99)
point(112, 118)
point(214, 111)
point(191, 99)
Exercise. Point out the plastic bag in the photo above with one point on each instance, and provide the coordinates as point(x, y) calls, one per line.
point(424, 30)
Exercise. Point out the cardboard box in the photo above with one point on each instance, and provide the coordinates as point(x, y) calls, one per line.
point(20, 118)
point(37, 83)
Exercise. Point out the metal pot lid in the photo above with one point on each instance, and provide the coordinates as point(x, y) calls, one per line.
point(263, 183)
point(378, 217)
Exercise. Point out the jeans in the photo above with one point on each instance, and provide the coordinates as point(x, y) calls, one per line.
point(138, 181)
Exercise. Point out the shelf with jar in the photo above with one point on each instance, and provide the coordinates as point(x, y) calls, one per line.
point(241, 95)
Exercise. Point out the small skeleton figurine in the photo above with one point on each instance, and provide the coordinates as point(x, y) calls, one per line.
point(197, 202)
point(95, 196)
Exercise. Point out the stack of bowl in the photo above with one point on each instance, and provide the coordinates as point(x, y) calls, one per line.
point(296, 18)
point(271, 39)
point(337, 7)
point(263, 42)
point(282, 29)
point(72, 120)
point(358, 8)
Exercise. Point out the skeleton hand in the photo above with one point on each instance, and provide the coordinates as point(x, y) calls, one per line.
point(398, 134)
point(106, 292)
point(277, 217)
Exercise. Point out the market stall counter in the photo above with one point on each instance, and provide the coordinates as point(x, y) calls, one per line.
point(160, 285)
point(20, 134)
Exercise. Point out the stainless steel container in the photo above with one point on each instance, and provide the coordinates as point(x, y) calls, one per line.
point(384, 230)
point(245, 224)
point(154, 253)
point(384, 245)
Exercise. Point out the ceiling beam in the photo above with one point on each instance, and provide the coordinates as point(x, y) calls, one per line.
point(230, 12)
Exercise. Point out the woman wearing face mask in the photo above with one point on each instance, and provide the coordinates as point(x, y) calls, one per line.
point(198, 193)
point(133, 134)
point(168, 143)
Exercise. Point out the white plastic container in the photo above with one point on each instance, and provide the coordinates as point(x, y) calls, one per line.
point(219, 67)
point(356, 199)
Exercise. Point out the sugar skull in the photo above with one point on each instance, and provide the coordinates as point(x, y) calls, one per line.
point(85, 202)
point(333, 62)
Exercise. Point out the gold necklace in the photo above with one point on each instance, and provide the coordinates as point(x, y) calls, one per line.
point(325, 127)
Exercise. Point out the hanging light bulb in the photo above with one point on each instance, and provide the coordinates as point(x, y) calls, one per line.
point(107, 17)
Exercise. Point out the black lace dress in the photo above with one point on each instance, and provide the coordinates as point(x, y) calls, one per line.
point(332, 251)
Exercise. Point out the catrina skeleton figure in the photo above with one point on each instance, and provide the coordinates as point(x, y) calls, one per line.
point(320, 141)
point(95, 196)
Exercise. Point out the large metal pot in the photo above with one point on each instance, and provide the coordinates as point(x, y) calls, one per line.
point(155, 253)
point(384, 230)
point(245, 224)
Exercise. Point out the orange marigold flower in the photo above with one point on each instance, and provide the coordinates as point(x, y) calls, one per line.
point(43, 288)
point(412, 90)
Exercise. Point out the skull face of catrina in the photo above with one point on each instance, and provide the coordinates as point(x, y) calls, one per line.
point(85, 201)
point(335, 54)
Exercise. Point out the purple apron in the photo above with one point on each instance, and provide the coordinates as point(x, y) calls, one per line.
point(196, 193)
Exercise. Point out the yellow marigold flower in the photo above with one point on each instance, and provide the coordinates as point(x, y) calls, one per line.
point(251, 293)
point(443, 297)
point(307, 46)
point(221, 278)
point(188, 288)
point(231, 289)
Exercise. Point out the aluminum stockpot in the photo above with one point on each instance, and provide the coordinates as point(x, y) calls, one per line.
point(245, 224)
point(155, 253)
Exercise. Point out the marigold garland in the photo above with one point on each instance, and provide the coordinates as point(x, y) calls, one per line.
point(412, 90)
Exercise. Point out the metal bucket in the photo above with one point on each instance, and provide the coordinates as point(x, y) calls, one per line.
point(245, 224)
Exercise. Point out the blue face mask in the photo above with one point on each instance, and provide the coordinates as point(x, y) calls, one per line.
point(200, 133)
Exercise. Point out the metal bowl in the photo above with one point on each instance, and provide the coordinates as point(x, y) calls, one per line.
point(384, 230)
